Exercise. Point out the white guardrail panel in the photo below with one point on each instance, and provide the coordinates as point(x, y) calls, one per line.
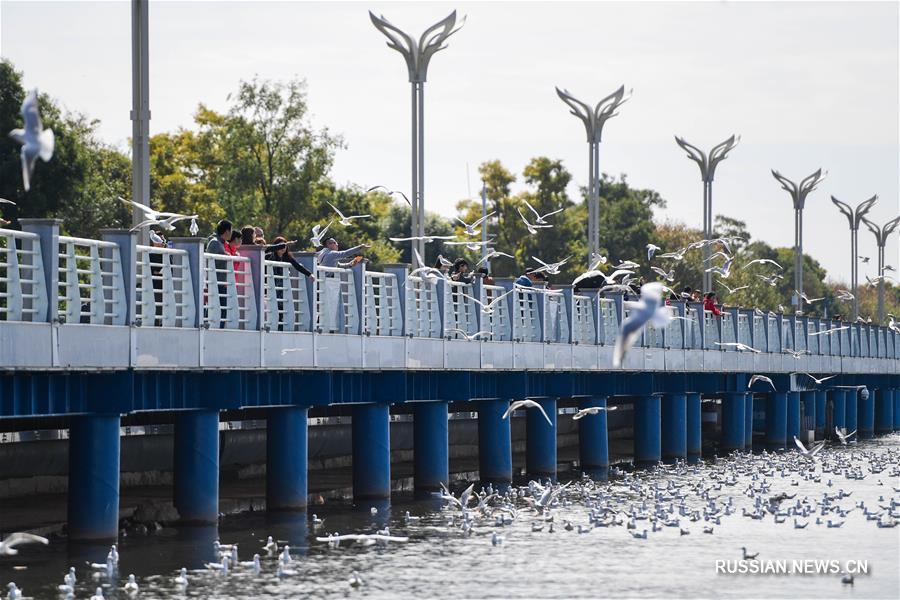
point(711, 330)
point(496, 321)
point(583, 329)
point(423, 311)
point(229, 298)
point(286, 302)
point(526, 319)
point(609, 321)
point(336, 307)
point(23, 292)
point(460, 311)
point(556, 319)
point(91, 286)
point(164, 296)
point(382, 311)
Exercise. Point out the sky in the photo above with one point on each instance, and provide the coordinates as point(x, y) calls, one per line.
point(806, 85)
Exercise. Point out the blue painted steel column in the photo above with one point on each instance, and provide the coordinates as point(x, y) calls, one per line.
point(884, 411)
point(371, 451)
point(494, 442)
point(94, 477)
point(286, 458)
point(809, 412)
point(748, 422)
point(896, 396)
point(793, 417)
point(540, 440)
point(776, 420)
point(431, 450)
point(647, 439)
point(851, 406)
point(838, 410)
point(674, 427)
point(821, 400)
point(866, 413)
point(196, 466)
point(694, 427)
point(734, 413)
point(593, 440)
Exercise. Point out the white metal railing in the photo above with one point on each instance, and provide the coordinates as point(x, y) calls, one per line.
point(230, 300)
point(460, 312)
point(675, 330)
point(787, 335)
point(799, 335)
point(23, 290)
point(727, 324)
point(760, 340)
point(336, 306)
point(423, 311)
point(652, 336)
point(556, 319)
point(815, 343)
point(497, 319)
point(285, 297)
point(609, 321)
point(692, 331)
point(583, 329)
point(526, 317)
point(744, 331)
point(164, 294)
point(774, 337)
point(381, 310)
point(91, 286)
point(711, 331)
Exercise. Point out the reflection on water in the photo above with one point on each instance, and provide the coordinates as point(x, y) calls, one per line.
point(441, 558)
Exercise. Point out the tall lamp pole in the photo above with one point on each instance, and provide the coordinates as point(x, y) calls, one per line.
point(140, 110)
point(854, 216)
point(417, 55)
point(881, 237)
point(484, 226)
point(798, 195)
point(708, 164)
point(593, 119)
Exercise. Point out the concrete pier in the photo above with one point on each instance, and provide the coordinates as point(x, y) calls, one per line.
point(593, 440)
point(286, 458)
point(734, 413)
point(884, 411)
point(838, 410)
point(540, 440)
point(196, 466)
point(647, 438)
point(748, 422)
point(93, 511)
point(851, 414)
point(776, 421)
point(674, 427)
point(494, 442)
point(793, 416)
point(821, 401)
point(371, 452)
point(431, 450)
point(694, 427)
point(866, 413)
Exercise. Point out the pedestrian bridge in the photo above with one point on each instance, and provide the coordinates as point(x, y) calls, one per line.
point(91, 330)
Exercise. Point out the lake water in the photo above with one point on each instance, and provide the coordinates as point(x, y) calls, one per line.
point(442, 560)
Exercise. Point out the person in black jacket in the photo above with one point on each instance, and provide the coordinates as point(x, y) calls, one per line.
point(279, 252)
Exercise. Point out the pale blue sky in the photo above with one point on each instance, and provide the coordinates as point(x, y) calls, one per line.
point(806, 84)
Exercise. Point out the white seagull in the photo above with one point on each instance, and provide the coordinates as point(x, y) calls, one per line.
point(526, 404)
point(493, 254)
point(539, 218)
point(318, 233)
point(762, 378)
point(810, 453)
point(473, 336)
point(36, 141)
point(592, 410)
point(8, 544)
point(732, 290)
point(551, 268)
point(739, 346)
point(346, 221)
point(819, 381)
point(532, 229)
point(830, 330)
point(425, 238)
point(844, 437)
point(470, 229)
point(649, 309)
point(763, 261)
point(651, 250)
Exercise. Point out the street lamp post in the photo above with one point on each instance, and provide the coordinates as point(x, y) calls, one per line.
point(417, 55)
point(140, 111)
point(593, 119)
point(484, 226)
point(708, 164)
point(854, 216)
point(798, 195)
point(881, 237)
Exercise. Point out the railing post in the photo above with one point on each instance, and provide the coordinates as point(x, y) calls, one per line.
point(257, 276)
point(127, 242)
point(540, 305)
point(595, 312)
point(701, 321)
point(401, 272)
point(195, 260)
point(308, 260)
point(359, 288)
point(569, 291)
point(478, 292)
point(440, 292)
point(48, 230)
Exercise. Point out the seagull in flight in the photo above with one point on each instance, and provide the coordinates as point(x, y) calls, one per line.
point(388, 192)
point(811, 452)
point(649, 309)
point(168, 224)
point(473, 336)
point(592, 410)
point(739, 346)
point(725, 270)
point(35, 140)
point(470, 229)
point(844, 438)
point(836, 329)
point(8, 544)
point(5, 201)
point(772, 281)
point(762, 378)
point(318, 233)
point(844, 295)
point(670, 276)
point(425, 238)
point(819, 381)
point(679, 255)
point(532, 229)
point(493, 254)
point(651, 250)
point(732, 290)
point(526, 404)
point(864, 259)
point(470, 244)
point(489, 307)
point(807, 299)
point(763, 261)
point(539, 218)
point(346, 221)
point(551, 268)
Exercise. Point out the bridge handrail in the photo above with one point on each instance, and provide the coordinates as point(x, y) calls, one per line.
point(583, 328)
point(91, 286)
point(285, 298)
point(608, 316)
point(336, 306)
point(164, 296)
point(382, 312)
point(556, 318)
point(526, 320)
point(497, 321)
point(459, 310)
point(23, 291)
point(423, 310)
point(229, 297)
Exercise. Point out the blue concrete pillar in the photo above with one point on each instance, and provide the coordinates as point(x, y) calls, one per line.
point(647, 439)
point(540, 440)
point(776, 421)
point(371, 431)
point(431, 450)
point(896, 396)
point(748, 422)
point(809, 413)
point(793, 417)
point(674, 427)
point(884, 411)
point(838, 410)
point(821, 400)
point(866, 413)
point(851, 406)
point(494, 442)
point(93, 477)
point(286, 458)
point(196, 465)
point(734, 413)
point(593, 440)
point(694, 426)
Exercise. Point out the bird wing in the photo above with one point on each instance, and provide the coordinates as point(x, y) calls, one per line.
point(18, 135)
point(20, 537)
point(536, 213)
point(481, 220)
point(27, 169)
point(550, 214)
point(543, 412)
point(340, 214)
point(514, 406)
point(628, 335)
point(800, 445)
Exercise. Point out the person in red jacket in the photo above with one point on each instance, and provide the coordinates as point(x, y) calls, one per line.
point(709, 303)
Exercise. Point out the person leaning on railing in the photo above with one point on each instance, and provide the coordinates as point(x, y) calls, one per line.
point(330, 254)
point(278, 252)
point(217, 246)
point(709, 303)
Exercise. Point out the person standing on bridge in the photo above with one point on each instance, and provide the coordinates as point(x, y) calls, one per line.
point(217, 246)
point(709, 303)
point(330, 255)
